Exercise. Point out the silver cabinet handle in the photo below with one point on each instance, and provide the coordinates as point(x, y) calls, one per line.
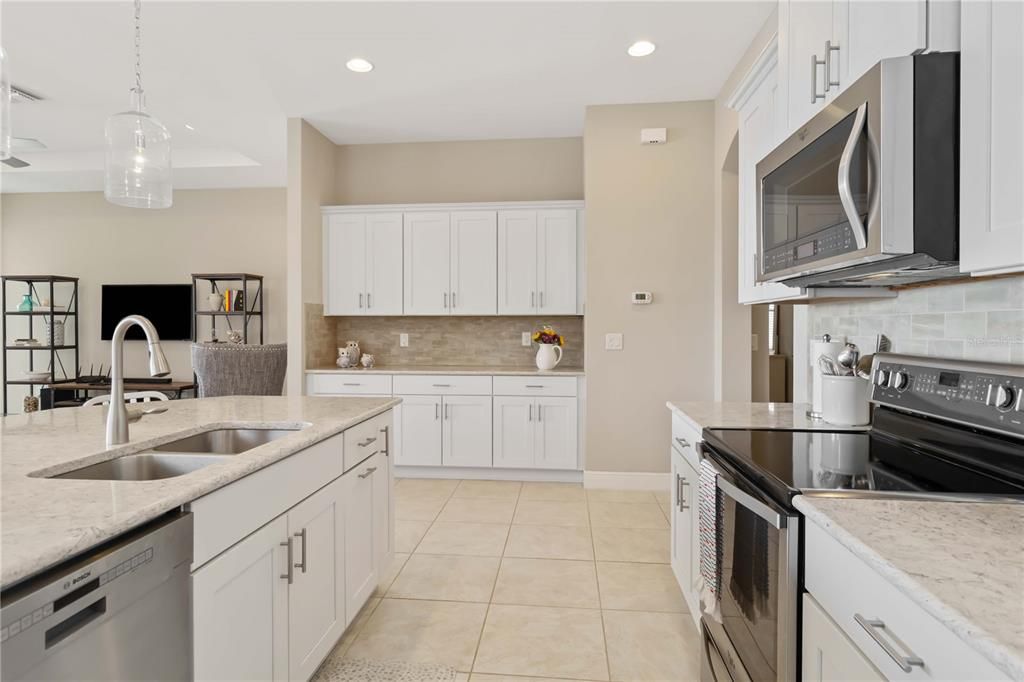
point(446, 300)
point(369, 300)
point(533, 298)
point(535, 385)
point(437, 411)
point(530, 418)
point(683, 443)
point(360, 299)
point(367, 472)
point(441, 385)
point(352, 383)
point(540, 413)
point(289, 576)
point(683, 504)
point(541, 299)
point(368, 441)
point(302, 545)
point(845, 193)
point(875, 628)
point(387, 440)
point(829, 49)
point(679, 493)
point(446, 410)
point(453, 299)
point(815, 63)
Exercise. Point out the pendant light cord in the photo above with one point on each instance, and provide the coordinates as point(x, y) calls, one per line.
point(138, 51)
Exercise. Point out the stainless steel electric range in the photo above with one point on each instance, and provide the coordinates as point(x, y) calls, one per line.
point(941, 429)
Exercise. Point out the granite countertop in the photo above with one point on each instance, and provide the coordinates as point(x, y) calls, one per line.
point(961, 562)
point(484, 370)
point(736, 415)
point(45, 521)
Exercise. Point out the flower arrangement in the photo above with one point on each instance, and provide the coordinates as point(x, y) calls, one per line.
point(547, 335)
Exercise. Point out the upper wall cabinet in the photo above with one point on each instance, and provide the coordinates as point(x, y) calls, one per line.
point(992, 137)
point(537, 257)
point(451, 263)
point(363, 264)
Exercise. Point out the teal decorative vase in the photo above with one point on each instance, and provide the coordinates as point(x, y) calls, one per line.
point(26, 303)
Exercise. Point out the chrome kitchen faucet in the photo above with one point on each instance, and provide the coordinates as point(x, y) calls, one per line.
point(117, 415)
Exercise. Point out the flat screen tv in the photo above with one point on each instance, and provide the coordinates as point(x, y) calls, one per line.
point(168, 307)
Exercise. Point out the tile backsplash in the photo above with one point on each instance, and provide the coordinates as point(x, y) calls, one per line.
point(485, 340)
point(969, 319)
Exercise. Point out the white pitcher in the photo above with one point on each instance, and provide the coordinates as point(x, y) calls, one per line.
point(548, 356)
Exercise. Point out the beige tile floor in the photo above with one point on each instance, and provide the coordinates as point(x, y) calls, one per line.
point(530, 581)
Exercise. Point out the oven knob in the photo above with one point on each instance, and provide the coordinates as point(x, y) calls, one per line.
point(1004, 397)
point(882, 378)
point(900, 381)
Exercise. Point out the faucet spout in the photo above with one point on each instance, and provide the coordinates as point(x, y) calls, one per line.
point(117, 414)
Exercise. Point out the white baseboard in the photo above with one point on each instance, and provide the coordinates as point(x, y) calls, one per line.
point(625, 480)
point(488, 474)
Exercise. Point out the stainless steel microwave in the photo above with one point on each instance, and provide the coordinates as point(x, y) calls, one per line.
point(866, 193)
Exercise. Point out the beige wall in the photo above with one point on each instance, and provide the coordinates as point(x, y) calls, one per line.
point(80, 234)
point(310, 186)
point(481, 170)
point(732, 354)
point(650, 227)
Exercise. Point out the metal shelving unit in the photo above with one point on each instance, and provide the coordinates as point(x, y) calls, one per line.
point(39, 287)
point(252, 288)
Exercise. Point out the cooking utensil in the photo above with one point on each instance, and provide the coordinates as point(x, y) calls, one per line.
point(827, 366)
point(847, 359)
point(883, 344)
point(864, 366)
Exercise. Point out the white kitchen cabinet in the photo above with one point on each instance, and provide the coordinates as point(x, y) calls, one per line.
point(316, 595)
point(537, 253)
point(804, 28)
point(466, 431)
point(514, 439)
point(535, 433)
point(383, 513)
point(867, 31)
point(418, 432)
point(427, 263)
point(992, 137)
point(360, 491)
point(685, 530)
point(474, 263)
point(828, 655)
point(240, 610)
point(556, 433)
point(363, 264)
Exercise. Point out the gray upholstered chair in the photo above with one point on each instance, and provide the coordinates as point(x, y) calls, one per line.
point(236, 369)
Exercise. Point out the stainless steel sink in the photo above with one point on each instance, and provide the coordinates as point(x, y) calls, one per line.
point(224, 441)
point(146, 466)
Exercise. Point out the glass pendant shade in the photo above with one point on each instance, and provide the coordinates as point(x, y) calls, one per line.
point(138, 160)
point(5, 107)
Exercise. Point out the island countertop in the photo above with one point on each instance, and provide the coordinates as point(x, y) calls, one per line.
point(961, 562)
point(741, 415)
point(45, 520)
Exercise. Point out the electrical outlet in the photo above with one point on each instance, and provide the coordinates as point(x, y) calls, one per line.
point(526, 339)
point(754, 340)
point(613, 341)
point(403, 340)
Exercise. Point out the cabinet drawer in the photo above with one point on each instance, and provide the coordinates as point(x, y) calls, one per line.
point(366, 439)
point(684, 436)
point(538, 385)
point(349, 384)
point(428, 384)
point(846, 587)
point(229, 514)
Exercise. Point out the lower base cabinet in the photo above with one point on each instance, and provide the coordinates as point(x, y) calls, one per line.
point(828, 655)
point(535, 433)
point(453, 430)
point(360, 576)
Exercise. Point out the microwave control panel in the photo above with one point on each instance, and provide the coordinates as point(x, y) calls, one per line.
point(833, 241)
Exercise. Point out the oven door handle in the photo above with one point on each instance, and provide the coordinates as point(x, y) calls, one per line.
point(845, 194)
point(772, 517)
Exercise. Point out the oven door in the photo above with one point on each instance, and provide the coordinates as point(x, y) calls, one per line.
point(824, 194)
point(758, 597)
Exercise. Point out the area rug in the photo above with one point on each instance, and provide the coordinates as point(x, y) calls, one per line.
point(337, 669)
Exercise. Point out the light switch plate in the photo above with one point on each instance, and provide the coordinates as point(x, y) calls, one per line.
point(526, 339)
point(754, 340)
point(613, 341)
point(403, 340)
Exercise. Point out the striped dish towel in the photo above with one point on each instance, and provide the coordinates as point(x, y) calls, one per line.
point(709, 519)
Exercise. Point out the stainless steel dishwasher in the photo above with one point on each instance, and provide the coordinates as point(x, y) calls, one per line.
point(120, 612)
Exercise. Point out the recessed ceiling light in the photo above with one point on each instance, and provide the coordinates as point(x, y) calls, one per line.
point(641, 48)
point(188, 126)
point(359, 65)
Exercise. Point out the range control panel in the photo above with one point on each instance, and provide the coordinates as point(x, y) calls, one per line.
point(983, 395)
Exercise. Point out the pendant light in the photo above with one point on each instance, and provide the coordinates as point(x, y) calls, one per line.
point(138, 149)
point(5, 107)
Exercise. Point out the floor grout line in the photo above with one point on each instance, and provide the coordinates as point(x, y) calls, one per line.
point(600, 603)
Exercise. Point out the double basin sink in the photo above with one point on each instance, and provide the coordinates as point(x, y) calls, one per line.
point(180, 456)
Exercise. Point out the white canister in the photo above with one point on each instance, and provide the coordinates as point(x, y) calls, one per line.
point(819, 348)
point(844, 400)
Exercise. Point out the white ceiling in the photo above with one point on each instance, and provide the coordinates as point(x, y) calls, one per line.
point(444, 71)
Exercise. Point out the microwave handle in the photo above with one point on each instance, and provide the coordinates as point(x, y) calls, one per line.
point(845, 195)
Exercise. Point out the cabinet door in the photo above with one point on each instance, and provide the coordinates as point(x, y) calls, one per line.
point(316, 599)
point(556, 262)
point(427, 263)
point(419, 431)
point(867, 31)
point(808, 25)
point(384, 264)
point(474, 272)
point(828, 654)
point(467, 431)
point(240, 610)
point(514, 438)
point(690, 488)
point(556, 433)
point(360, 556)
point(991, 137)
point(345, 265)
point(680, 540)
point(517, 262)
point(382, 513)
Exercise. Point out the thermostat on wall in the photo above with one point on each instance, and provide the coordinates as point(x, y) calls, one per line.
point(642, 298)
